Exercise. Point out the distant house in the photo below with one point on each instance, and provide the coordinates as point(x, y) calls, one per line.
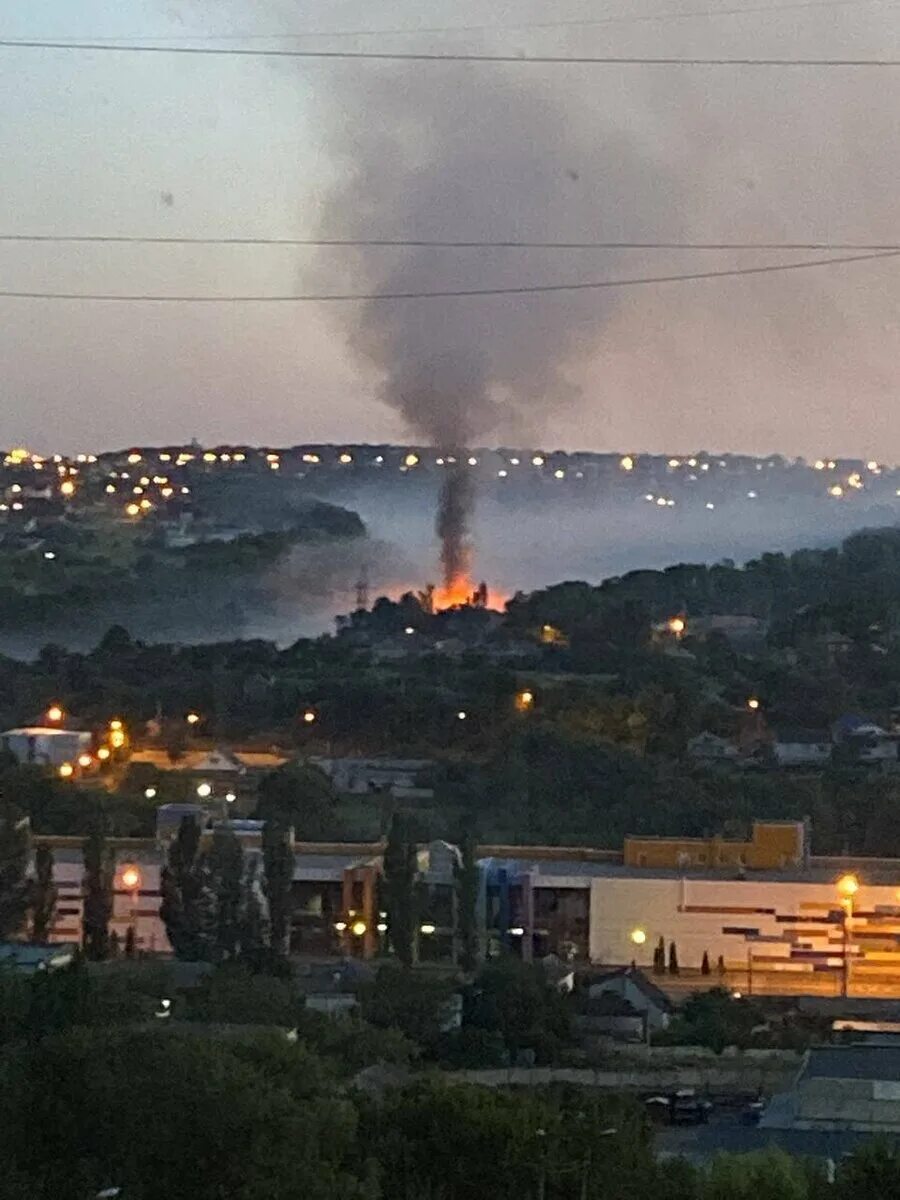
point(802, 747)
point(625, 1003)
point(361, 775)
point(739, 630)
point(864, 741)
point(709, 747)
point(46, 746)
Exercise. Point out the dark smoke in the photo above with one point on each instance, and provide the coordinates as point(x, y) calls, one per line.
point(455, 504)
point(477, 155)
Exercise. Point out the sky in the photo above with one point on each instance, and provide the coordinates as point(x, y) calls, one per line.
point(93, 143)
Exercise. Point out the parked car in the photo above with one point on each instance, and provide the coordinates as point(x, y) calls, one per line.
point(683, 1107)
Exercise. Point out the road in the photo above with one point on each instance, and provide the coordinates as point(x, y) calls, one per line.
point(783, 983)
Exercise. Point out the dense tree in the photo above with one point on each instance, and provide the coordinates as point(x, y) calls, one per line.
point(172, 1118)
point(97, 894)
point(399, 883)
point(516, 1000)
point(226, 869)
point(278, 868)
point(15, 847)
point(188, 904)
point(301, 796)
point(413, 1003)
point(43, 894)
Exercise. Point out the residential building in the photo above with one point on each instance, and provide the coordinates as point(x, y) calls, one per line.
point(802, 747)
point(361, 775)
point(46, 745)
point(709, 747)
point(623, 1003)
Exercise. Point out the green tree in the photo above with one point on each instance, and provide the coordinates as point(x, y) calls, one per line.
point(871, 1171)
point(169, 1116)
point(659, 957)
point(764, 1175)
point(515, 999)
point(97, 894)
point(43, 894)
point(415, 1004)
point(301, 796)
point(188, 906)
point(226, 868)
point(399, 881)
point(278, 865)
point(15, 846)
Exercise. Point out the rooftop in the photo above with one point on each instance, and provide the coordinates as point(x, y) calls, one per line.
point(853, 1062)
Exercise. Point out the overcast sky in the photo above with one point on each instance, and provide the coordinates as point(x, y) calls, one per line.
point(107, 144)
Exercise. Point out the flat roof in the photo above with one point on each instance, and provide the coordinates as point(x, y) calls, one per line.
point(853, 1062)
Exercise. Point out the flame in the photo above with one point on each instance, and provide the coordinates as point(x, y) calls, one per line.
point(457, 592)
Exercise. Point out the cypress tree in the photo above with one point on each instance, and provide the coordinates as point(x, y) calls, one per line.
point(15, 847)
point(278, 864)
point(97, 892)
point(659, 958)
point(188, 906)
point(400, 868)
point(226, 866)
point(673, 959)
point(704, 965)
point(43, 895)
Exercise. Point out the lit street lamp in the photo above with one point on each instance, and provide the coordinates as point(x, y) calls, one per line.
point(847, 886)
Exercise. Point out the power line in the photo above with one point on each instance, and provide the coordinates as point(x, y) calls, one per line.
point(532, 289)
point(510, 59)
point(432, 243)
point(573, 22)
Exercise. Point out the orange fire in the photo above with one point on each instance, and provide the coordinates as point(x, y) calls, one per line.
point(458, 592)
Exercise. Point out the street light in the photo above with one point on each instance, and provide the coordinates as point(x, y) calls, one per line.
point(427, 928)
point(131, 880)
point(309, 716)
point(358, 928)
point(753, 704)
point(150, 793)
point(55, 713)
point(192, 718)
point(103, 753)
point(847, 886)
point(66, 770)
point(461, 715)
point(204, 790)
point(638, 936)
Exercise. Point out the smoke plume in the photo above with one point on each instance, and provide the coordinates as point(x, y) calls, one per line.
point(481, 155)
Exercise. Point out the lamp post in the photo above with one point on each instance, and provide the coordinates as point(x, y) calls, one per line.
point(847, 886)
point(131, 881)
